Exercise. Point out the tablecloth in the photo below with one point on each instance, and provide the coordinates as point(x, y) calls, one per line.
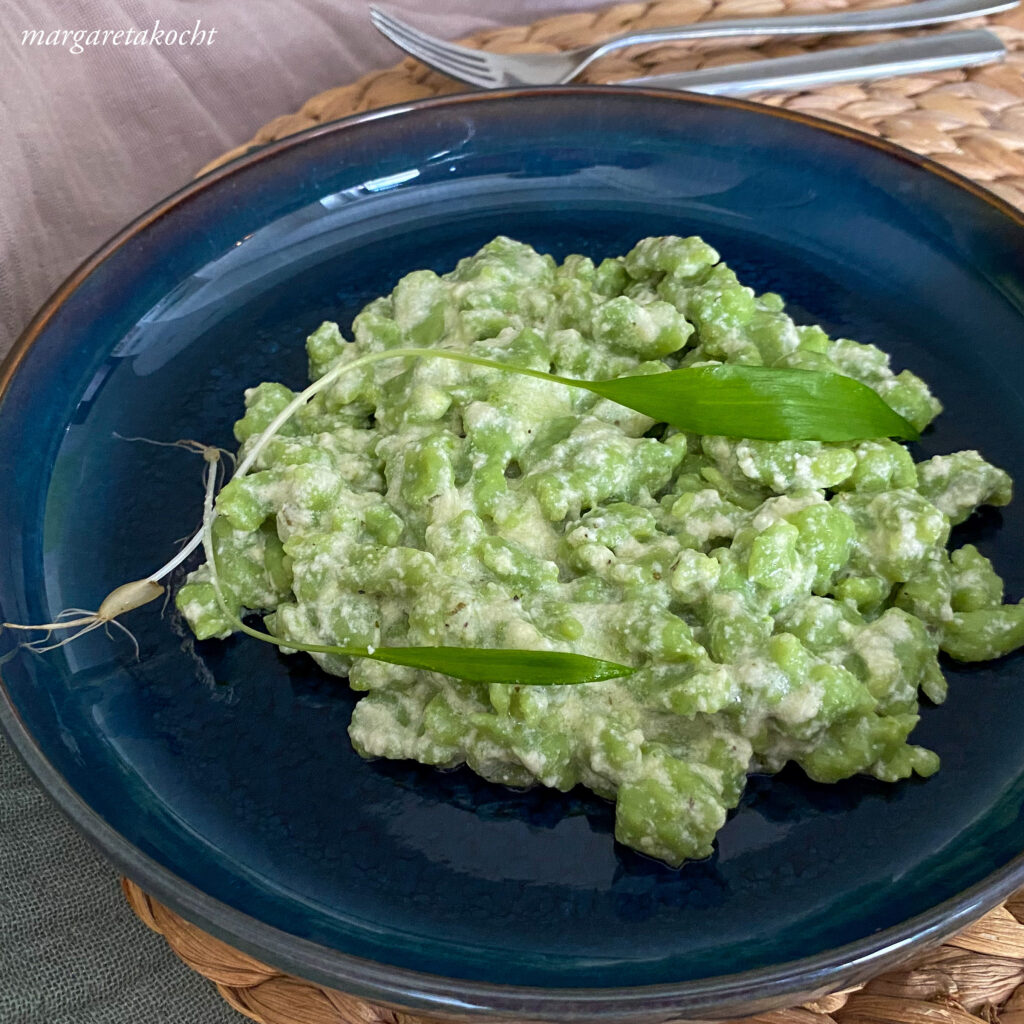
point(91, 134)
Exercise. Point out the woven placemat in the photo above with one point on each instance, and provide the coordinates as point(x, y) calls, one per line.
point(970, 121)
point(977, 977)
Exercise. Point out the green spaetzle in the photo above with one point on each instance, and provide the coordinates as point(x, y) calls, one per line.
point(780, 600)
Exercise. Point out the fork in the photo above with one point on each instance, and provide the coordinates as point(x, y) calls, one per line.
point(496, 70)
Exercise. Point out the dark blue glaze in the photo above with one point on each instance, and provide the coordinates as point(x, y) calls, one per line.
point(220, 774)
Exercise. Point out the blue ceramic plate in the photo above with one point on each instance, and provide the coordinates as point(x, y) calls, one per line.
point(220, 776)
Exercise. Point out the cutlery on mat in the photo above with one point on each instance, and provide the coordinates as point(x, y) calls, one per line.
point(496, 70)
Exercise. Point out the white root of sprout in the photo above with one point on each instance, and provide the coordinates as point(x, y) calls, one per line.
point(186, 443)
point(121, 599)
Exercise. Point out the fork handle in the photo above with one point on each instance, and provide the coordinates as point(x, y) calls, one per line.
point(847, 64)
point(926, 12)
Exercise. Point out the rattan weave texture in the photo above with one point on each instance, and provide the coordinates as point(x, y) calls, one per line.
point(972, 121)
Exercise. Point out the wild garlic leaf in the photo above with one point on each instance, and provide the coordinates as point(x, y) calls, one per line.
point(733, 400)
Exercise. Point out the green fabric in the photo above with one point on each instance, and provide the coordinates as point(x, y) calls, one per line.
point(71, 950)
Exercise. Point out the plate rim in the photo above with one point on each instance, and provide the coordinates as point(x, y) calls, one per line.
point(715, 997)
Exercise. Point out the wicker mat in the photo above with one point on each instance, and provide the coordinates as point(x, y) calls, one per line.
point(971, 121)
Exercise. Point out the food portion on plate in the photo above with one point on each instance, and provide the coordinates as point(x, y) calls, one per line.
point(775, 600)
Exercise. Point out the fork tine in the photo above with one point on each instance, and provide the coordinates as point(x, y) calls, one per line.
point(384, 18)
point(429, 52)
point(446, 58)
point(440, 63)
point(436, 56)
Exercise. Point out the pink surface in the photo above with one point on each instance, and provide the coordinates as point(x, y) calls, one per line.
point(91, 139)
